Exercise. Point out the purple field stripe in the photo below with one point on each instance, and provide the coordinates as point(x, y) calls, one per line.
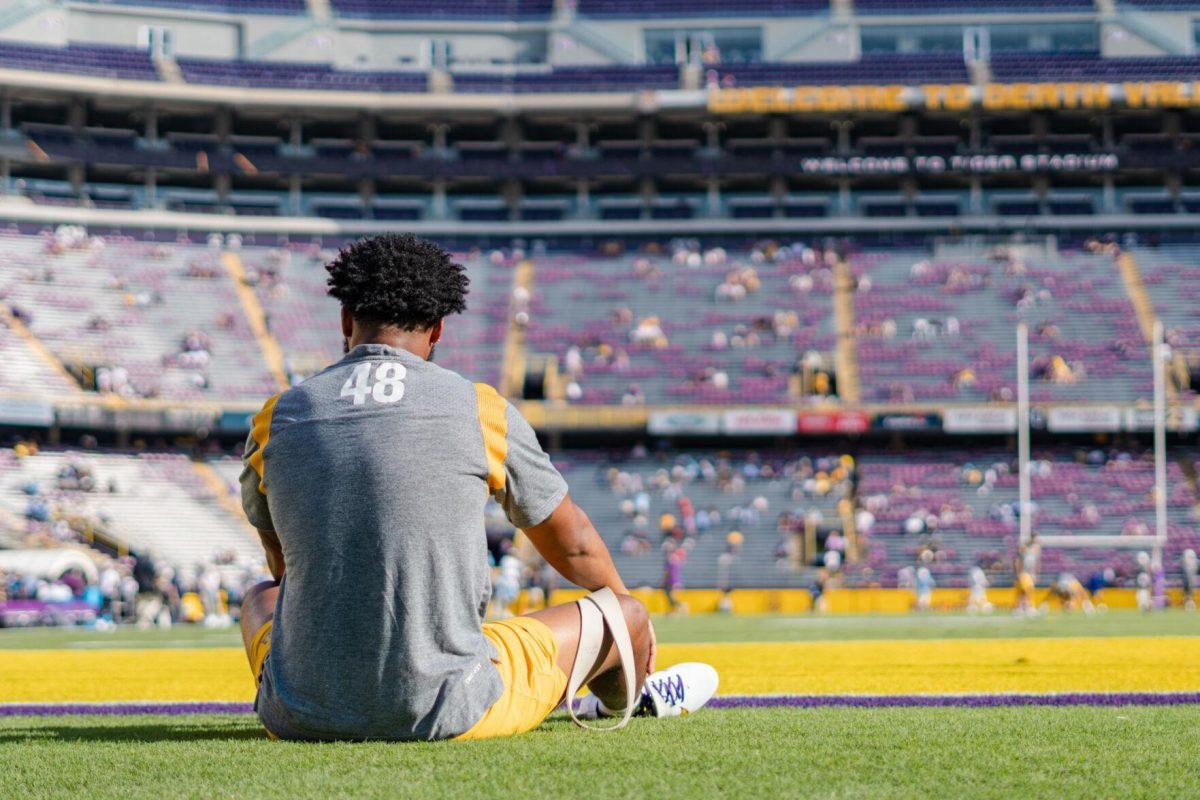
point(727, 701)
point(956, 700)
point(120, 709)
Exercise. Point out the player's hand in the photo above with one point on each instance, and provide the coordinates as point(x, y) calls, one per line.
point(653, 649)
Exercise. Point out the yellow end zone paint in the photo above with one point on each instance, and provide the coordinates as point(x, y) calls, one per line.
point(1111, 664)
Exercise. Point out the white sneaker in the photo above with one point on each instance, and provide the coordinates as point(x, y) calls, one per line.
point(678, 690)
point(672, 692)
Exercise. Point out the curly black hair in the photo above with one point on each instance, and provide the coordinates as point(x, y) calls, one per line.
point(398, 280)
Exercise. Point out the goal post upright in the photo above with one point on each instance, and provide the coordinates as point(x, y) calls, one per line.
point(1154, 542)
point(1159, 354)
point(1025, 501)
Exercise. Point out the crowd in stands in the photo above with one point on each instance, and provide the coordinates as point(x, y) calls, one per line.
point(713, 518)
point(686, 323)
point(53, 501)
point(934, 330)
point(134, 319)
point(954, 517)
point(673, 323)
point(678, 520)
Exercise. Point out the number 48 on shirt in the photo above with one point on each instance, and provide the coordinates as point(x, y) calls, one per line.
point(387, 388)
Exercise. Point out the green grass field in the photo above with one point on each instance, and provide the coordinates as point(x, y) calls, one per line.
point(868, 753)
point(1086, 752)
point(716, 628)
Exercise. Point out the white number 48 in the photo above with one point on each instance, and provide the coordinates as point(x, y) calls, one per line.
point(388, 386)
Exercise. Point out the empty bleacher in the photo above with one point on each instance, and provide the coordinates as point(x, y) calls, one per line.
point(1075, 305)
point(298, 75)
point(132, 305)
point(155, 504)
point(24, 372)
point(699, 8)
point(1090, 66)
point(607, 308)
point(969, 516)
point(286, 7)
point(914, 68)
point(1171, 275)
point(100, 61)
point(729, 482)
point(430, 9)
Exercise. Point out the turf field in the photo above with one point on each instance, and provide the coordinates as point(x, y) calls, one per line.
point(947, 706)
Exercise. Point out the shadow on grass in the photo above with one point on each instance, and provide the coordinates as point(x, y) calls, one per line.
point(166, 731)
point(35, 730)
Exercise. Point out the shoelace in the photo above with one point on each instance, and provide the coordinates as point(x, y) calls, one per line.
point(669, 689)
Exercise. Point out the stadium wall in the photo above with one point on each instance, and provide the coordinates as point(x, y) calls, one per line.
point(843, 600)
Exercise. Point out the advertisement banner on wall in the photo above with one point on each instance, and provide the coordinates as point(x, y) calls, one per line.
point(1083, 419)
point(1178, 419)
point(668, 423)
point(908, 422)
point(825, 423)
point(759, 421)
point(31, 413)
point(235, 421)
point(980, 419)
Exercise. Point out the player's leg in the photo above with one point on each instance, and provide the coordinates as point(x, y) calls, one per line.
point(536, 652)
point(258, 610)
point(604, 676)
point(676, 690)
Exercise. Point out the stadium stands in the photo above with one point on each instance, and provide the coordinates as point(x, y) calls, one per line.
point(954, 7)
point(428, 9)
point(1088, 66)
point(155, 504)
point(22, 371)
point(625, 330)
point(903, 68)
point(699, 8)
point(85, 59)
point(218, 6)
point(763, 495)
point(593, 186)
point(945, 330)
point(1171, 275)
point(298, 75)
point(949, 510)
point(729, 327)
point(141, 319)
point(954, 509)
point(572, 79)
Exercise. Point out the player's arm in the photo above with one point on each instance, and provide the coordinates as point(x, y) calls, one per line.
point(258, 512)
point(274, 552)
point(534, 495)
point(570, 543)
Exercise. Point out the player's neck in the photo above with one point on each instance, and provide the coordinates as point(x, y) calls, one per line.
point(415, 342)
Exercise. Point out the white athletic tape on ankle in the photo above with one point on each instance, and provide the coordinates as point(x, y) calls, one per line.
point(596, 611)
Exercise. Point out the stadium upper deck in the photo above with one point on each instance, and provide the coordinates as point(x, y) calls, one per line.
point(154, 332)
point(531, 115)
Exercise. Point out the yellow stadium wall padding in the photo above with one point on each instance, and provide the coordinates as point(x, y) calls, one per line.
point(842, 601)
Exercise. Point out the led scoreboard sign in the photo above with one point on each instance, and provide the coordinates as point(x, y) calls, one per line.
point(952, 97)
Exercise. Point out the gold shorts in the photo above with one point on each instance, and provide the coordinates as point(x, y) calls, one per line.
point(534, 684)
point(527, 661)
point(260, 646)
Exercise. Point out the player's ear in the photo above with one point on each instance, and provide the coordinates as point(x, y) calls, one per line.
point(347, 323)
point(435, 333)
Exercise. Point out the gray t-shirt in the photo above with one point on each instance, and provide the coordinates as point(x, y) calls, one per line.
point(374, 475)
